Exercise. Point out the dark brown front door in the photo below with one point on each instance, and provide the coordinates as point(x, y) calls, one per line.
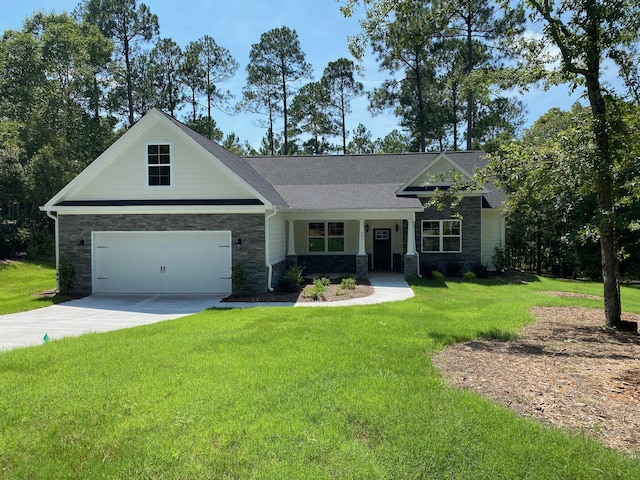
point(382, 249)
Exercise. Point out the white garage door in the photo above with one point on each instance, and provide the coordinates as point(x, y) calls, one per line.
point(161, 262)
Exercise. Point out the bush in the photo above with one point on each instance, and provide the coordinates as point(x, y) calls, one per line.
point(499, 257)
point(318, 290)
point(66, 274)
point(293, 279)
point(437, 275)
point(480, 270)
point(240, 280)
point(348, 283)
point(468, 276)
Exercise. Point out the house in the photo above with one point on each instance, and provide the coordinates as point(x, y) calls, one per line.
point(165, 210)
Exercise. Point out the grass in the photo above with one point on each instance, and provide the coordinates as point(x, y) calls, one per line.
point(272, 393)
point(22, 281)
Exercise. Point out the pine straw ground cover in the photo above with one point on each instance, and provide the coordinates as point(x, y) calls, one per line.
point(566, 369)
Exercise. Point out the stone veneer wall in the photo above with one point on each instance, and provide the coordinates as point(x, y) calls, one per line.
point(248, 227)
point(327, 263)
point(471, 210)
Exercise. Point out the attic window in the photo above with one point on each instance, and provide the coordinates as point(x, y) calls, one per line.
point(159, 165)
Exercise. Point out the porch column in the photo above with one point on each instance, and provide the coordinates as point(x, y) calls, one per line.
point(361, 239)
point(362, 260)
point(411, 236)
point(411, 266)
point(291, 247)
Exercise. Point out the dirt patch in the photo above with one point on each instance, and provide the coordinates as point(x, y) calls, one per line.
point(566, 369)
point(334, 293)
point(571, 295)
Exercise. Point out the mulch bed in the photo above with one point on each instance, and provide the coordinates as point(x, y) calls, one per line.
point(334, 293)
point(566, 369)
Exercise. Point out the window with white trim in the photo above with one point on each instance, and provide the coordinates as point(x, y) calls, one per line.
point(441, 236)
point(326, 237)
point(159, 165)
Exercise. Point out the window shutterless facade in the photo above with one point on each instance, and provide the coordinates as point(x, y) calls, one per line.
point(159, 165)
point(326, 237)
point(441, 236)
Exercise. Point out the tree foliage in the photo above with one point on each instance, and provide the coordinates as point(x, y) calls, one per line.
point(129, 25)
point(276, 64)
point(586, 32)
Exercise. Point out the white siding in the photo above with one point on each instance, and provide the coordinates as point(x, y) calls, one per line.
point(441, 167)
point(194, 175)
point(492, 234)
point(277, 238)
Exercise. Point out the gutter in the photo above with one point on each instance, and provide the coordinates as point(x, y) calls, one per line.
point(266, 248)
point(57, 240)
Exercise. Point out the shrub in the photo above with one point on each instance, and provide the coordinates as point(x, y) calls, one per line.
point(481, 270)
point(239, 280)
point(468, 276)
point(348, 283)
point(318, 290)
point(437, 275)
point(66, 274)
point(293, 279)
point(499, 257)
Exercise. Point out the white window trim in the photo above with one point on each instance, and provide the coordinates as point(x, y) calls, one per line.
point(146, 165)
point(441, 236)
point(327, 236)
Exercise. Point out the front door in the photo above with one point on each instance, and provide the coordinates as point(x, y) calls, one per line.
point(382, 249)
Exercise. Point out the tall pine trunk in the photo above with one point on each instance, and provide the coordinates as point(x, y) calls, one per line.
point(604, 181)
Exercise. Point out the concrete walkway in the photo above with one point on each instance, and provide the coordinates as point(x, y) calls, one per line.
point(103, 313)
point(387, 287)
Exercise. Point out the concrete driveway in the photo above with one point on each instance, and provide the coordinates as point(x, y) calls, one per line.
point(96, 313)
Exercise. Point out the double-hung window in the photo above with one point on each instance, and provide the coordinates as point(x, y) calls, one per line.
point(441, 236)
point(159, 165)
point(326, 237)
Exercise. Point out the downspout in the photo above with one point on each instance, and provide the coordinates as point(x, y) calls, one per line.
point(57, 240)
point(266, 248)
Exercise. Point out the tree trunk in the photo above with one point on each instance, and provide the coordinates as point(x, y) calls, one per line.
point(470, 93)
point(127, 61)
point(605, 183)
point(344, 124)
point(285, 114)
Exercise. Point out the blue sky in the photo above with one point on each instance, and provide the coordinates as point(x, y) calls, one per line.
point(238, 24)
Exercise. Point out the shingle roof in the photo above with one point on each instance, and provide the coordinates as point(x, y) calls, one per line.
point(337, 182)
point(354, 181)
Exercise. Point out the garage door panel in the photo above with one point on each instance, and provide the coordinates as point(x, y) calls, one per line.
point(162, 262)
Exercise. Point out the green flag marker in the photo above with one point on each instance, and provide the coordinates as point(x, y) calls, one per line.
point(46, 338)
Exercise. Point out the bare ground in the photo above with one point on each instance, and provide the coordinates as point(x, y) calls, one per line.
point(566, 369)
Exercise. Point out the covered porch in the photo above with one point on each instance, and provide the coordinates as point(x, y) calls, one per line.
point(352, 242)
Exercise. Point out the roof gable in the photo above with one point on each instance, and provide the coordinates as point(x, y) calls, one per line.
point(201, 170)
point(437, 173)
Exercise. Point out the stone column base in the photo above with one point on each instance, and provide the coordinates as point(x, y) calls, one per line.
point(362, 267)
point(410, 266)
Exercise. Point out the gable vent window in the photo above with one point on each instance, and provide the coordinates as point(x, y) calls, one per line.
point(440, 236)
point(159, 165)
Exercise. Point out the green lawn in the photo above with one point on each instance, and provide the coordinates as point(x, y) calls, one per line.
point(289, 393)
point(20, 282)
